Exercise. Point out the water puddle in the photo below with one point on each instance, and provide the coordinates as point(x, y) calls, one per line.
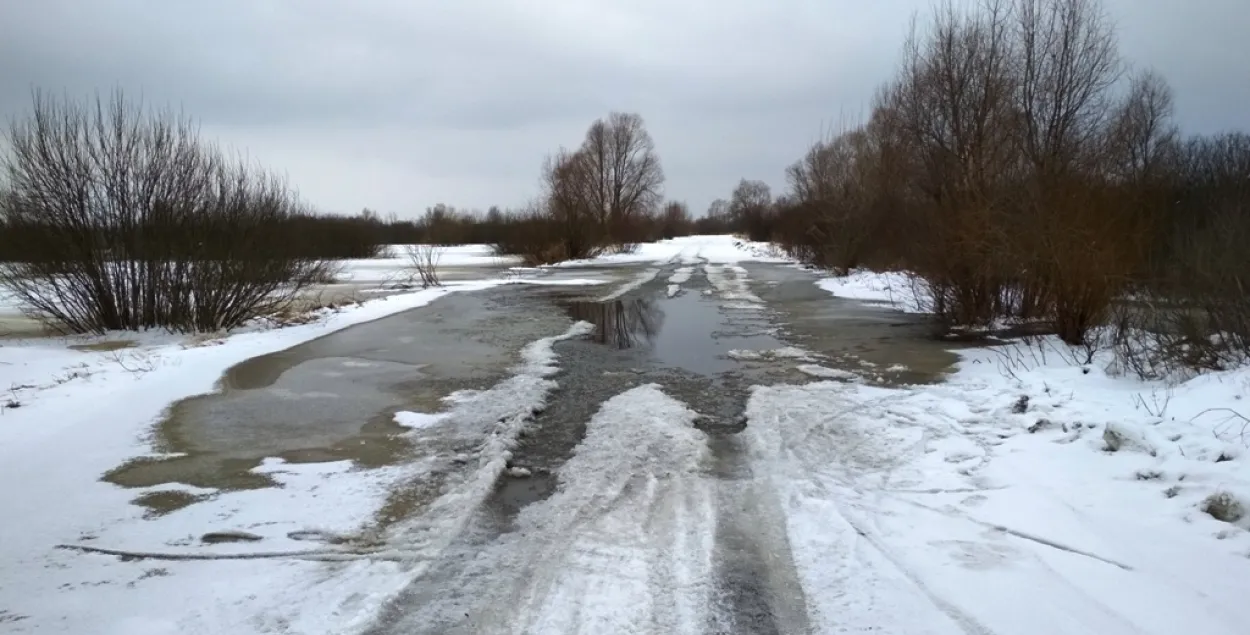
point(689, 332)
point(334, 398)
point(620, 324)
point(157, 504)
point(873, 342)
point(515, 493)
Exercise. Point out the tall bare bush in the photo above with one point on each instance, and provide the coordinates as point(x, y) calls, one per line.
point(951, 109)
point(134, 223)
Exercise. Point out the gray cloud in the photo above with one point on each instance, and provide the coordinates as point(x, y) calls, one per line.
point(397, 105)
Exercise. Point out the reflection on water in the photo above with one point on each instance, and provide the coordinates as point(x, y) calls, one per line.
point(621, 323)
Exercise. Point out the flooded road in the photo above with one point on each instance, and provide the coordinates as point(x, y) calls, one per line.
point(704, 343)
point(703, 333)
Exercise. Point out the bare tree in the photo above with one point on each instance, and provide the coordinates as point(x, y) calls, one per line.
point(951, 110)
point(833, 186)
point(570, 186)
point(750, 209)
point(675, 220)
point(1142, 138)
point(1068, 61)
point(624, 175)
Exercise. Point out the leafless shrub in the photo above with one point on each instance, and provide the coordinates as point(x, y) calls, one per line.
point(674, 221)
point(424, 260)
point(1003, 167)
point(836, 213)
point(130, 222)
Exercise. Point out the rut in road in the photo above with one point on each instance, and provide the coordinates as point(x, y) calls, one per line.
point(656, 523)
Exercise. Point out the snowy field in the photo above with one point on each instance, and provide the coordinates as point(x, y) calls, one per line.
point(1024, 495)
point(397, 265)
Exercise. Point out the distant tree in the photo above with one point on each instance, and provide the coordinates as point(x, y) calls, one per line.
point(674, 220)
point(718, 210)
point(624, 178)
point(750, 209)
point(494, 216)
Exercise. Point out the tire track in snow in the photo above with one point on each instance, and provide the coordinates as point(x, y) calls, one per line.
point(859, 583)
point(758, 587)
point(637, 538)
point(624, 545)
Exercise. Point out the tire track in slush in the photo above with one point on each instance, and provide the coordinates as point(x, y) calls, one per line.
point(704, 551)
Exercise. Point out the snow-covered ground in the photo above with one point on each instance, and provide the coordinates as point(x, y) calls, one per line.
point(893, 289)
point(398, 263)
point(1024, 495)
point(71, 413)
point(689, 250)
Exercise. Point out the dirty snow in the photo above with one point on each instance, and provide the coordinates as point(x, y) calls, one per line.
point(785, 352)
point(824, 372)
point(643, 277)
point(730, 282)
point(680, 276)
point(622, 546)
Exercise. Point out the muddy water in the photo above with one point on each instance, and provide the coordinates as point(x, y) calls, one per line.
point(683, 342)
point(878, 343)
point(333, 398)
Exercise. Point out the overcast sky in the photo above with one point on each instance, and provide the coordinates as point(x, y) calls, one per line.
point(396, 105)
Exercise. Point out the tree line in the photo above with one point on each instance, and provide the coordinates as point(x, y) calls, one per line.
point(1022, 171)
point(117, 216)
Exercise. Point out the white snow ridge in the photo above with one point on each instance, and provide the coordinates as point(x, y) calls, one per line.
point(622, 546)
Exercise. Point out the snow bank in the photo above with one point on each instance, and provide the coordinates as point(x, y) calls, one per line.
point(1024, 495)
point(890, 288)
